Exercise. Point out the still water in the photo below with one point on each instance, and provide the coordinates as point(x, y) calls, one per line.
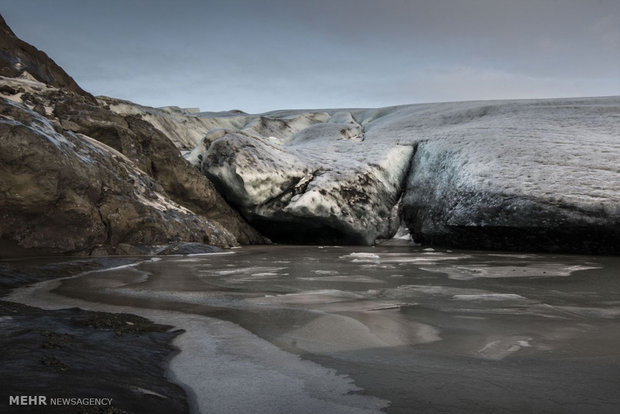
point(369, 329)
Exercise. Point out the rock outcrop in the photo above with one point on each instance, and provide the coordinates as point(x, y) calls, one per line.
point(67, 193)
point(154, 153)
point(76, 177)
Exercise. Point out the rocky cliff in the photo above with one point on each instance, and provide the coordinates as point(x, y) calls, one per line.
point(76, 177)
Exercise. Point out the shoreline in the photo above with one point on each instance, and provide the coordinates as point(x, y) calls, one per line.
point(216, 379)
point(117, 359)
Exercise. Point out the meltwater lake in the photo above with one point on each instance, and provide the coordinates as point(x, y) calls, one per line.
point(308, 329)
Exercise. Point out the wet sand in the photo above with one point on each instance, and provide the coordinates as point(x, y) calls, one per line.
point(396, 329)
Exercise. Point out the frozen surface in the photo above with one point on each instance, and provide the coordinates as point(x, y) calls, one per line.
point(527, 174)
point(523, 174)
point(519, 175)
point(185, 128)
point(227, 369)
point(314, 185)
point(412, 329)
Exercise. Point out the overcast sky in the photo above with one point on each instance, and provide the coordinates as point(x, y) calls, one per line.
point(260, 55)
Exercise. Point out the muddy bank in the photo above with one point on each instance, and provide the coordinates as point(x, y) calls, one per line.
point(72, 353)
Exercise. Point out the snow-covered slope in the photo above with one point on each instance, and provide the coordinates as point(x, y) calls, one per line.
point(185, 128)
point(527, 174)
point(521, 174)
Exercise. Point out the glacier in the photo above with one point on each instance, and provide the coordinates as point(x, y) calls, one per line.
point(514, 174)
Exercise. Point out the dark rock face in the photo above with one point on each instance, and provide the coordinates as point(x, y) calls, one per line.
point(154, 154)
point(18, 57)
point(61, 192)
point(76, 177)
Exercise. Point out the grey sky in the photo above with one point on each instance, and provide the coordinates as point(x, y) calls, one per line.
point(261, 55)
